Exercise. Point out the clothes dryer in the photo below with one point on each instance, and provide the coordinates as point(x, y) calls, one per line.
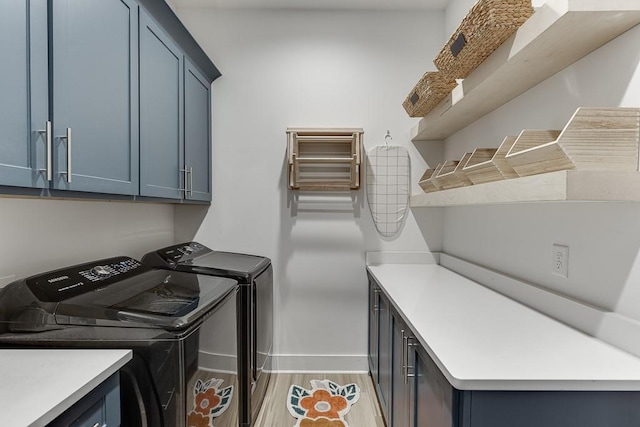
point(254, 274)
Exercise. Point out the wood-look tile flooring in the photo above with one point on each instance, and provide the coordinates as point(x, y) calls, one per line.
point(274, 413)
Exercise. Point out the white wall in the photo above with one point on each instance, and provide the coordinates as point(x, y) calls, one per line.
point(604, 239)
point(38, 235)
point(308, 69)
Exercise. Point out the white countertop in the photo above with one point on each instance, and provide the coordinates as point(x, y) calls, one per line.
point(38, 385)
point(482, 340)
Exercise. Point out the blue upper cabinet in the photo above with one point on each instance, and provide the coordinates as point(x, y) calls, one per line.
point(162, 172)
point(95, 95)
point(99, 97)
point(197, 133)
point(23, 93)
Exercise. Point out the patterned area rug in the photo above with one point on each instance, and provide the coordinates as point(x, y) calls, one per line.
point(325, 405)
point(208, 401)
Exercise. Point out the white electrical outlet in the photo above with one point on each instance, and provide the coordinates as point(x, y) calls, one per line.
point(560, 260)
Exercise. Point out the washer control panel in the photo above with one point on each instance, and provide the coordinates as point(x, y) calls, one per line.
point(58, 285)
point(104, 271)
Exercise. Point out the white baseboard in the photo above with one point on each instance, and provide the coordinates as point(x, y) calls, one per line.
point(320, 363)
point(291, 363)
point(608, 326)
point(214, 362)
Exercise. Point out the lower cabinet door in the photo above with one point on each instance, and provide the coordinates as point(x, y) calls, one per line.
point(374, 291)
point(384, 357)
point(433, 399)
point(401, 386)
point(94, 416)
point(101, 407)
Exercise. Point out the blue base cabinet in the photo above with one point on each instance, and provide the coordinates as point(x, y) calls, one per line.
point(101, 407)
point(417, 394)
point(401, 377)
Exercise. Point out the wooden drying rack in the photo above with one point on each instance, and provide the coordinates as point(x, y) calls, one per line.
point(326, 159)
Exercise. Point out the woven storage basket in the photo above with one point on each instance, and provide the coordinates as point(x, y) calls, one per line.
point(488, 24)
point(432, 88)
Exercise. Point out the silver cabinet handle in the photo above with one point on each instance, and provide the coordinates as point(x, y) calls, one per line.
point(410, 369)
point(185, 179)
point(67, 137)
point(376, 291)
point(47, 136)
point(96, 425)
point(404, 356)
point(190, 181)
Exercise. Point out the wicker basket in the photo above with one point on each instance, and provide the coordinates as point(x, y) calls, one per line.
point(432, 88)
point(488, 24)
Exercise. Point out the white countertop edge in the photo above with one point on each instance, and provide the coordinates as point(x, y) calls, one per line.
point(56, 400)
point(123, 356)
point(501, 384)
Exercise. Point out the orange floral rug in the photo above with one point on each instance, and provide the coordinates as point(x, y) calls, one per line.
point(208, 401)
point(325, 405)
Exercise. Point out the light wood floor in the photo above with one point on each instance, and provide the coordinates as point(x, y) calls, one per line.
point(274, 413)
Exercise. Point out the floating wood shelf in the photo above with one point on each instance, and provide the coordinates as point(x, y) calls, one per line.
point(596, 153)
point(558, 34)
point(569, 185)
point(597, 139)
point(324, 159)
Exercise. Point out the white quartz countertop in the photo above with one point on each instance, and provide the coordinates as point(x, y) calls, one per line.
point(482, 340)
point(38, 385)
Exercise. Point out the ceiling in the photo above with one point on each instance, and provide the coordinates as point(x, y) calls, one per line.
point(315, 4)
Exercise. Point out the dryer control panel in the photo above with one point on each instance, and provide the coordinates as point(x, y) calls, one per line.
point(183, 252)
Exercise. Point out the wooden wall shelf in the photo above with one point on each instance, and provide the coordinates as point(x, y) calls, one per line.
point(569, 185)
point(558, 34)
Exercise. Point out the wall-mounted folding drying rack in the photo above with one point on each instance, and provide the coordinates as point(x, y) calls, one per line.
point(324, 158)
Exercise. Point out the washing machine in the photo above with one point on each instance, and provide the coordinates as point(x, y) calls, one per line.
point(182, 329)
point(254, 275)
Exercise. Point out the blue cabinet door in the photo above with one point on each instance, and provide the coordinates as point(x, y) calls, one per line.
point(161, 113)
point(434, 402)
point(197, 133)
point(400, 377)
point(101, 407)
point(385, 373)
point(374, 297)
point(23, 93)
point(95, 95)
